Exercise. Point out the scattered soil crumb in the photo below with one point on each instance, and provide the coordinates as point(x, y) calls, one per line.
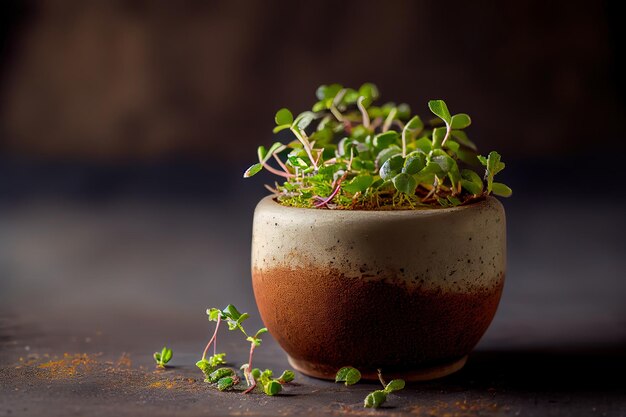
point(68, 366)
point(458, 408)
point(124, 361)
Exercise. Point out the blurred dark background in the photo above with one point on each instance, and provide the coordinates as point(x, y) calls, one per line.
point(125, 127)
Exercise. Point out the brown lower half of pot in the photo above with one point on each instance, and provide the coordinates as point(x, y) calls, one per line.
point(325, 320)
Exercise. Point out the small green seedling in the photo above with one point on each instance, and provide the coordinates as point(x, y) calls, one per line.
point(208, 365)
point(163, 357)
point(374, 399)
point(378, 397)
point(226, 378)
point(349, 375)
point(349, 153)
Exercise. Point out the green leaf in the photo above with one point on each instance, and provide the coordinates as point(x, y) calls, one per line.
point(273, 387)
point(452, 145)
point(297, 162)
point(276, 147)
point(286, 376)
point(265, 376)
point(415, 162)
point(319, 106)
point(493, 165)
point(304, 120)
point(166, 355)
point(492, 162)
point(383, 140)
point(349, 375)
point(256, 373)
point(405, 183)
point(415, 125)
point(217, 359)
point(220, 373)
point(213, 314)
point(424, 144)
point(445, 162)
point(157, 357)
point(460, 121)
point(471, 181)
point(374, 112)
point(502, 190)
point(242, 318)
point(387, 153)
point(226, 383)
point(260, 331)
point(439, 134)
point(253, 170)
point(280, 128)
point(471, 187)
point(370, 92)
point(255, 340)
point(283, 117)
point(231, 312)
point(325, 92)
point(205, 367)
point(404, 111)
point(462, 138)
point(468, 156)
point(440, 109)
point(391, 167)
point(453, 201)
point(351, 96)
point(394, 385)
point(358, 184)
point(375, 399)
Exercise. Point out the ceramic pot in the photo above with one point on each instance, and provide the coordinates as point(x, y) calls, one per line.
point(410, 292)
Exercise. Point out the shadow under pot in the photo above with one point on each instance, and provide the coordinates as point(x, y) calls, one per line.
point(410, 292)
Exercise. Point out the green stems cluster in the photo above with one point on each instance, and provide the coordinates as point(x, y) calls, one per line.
point(375, 399)
point(351, 154)
point(226, 378)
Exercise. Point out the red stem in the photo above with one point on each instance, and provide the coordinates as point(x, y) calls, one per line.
point(331, 196)
point(213, 339)
point(248, 371)
point(277, 172)
point(282, 165)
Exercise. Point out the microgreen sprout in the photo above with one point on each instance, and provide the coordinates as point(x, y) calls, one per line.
point(226, 378)
point(208, 365)
point(163, 357)
point(376, 398)
point(349, 375)
point(349, 153)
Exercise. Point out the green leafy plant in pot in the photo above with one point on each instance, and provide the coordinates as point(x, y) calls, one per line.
point(382, 246)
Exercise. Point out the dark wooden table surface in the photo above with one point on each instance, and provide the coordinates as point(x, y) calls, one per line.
point(91, 287)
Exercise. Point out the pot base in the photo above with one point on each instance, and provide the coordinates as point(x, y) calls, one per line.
point(425, 374)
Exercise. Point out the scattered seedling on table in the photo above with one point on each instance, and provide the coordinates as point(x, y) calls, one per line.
point(226, 378)
point(348, 153)
point(375, 399)
point(163, 357)
point(349, 375)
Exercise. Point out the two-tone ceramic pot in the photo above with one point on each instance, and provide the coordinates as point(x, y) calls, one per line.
point(410, 292)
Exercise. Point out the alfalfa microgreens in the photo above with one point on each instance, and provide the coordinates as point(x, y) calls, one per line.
point(375, 399)
point(348, 153)
point(226, 378)
point(163, 357)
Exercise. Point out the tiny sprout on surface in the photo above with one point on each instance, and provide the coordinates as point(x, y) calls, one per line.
point(349, 375)
point(348, 153)
point(163, 357)
point(227, 378)
point(376, 398)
